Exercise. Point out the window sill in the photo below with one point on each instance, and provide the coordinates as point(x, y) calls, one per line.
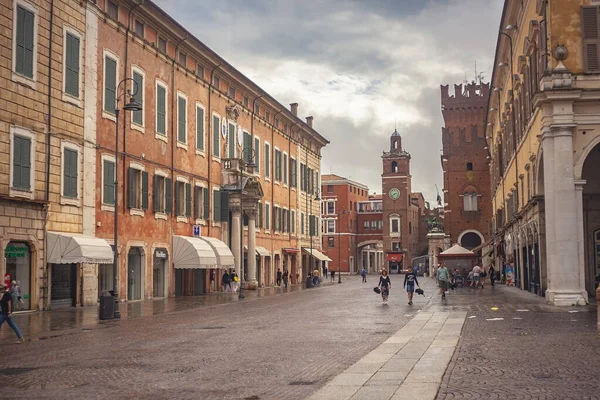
point(181, 145)
point(136, 127)
point(285, 185)
point(293, 189)
point(68, 98)
point(136, 212)
point(267, 232)
point(216, 224)
point(29, 82)
point(160, 215)
point(109, 116)
point(267, 179)
point(161, 137)
point(276, 182)
point(21, 193)
point(67, 201)
point(107, 207)
point(216, 159)
point(200, 153)
point(182, 219)
point(201, 222)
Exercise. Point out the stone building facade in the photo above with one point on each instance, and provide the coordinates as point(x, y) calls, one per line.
point(544, 136)
point(467, 200)
point(339, 221)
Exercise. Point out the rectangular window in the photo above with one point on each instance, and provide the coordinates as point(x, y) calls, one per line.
point(108, 182)
point(302, 227)
point(330, 226)
point(245, 101)
point(329, 188)
point(70, 173)
point(247, 147)
point(137, 186)
point(331, 207)
point(395, 246)
point(217, 82)
point(277, 165)
point(231, 140)
point(267, 116)
point(470, 202)
point(267, 160)
point(25, 42)
point(257, 154)
point(293, 173)
point(161, 109)
point(21, 163)
point(331, 242)
point(231, 92)
point(112, 10)
point(181, 119)
point(366, 225)
point(285, 168)
point(110, 85)
point(183, 59)
point(267, 216)
point(373, 225)
point(71, 57)
point(183, 199)
point(158, 194)
point(200, 70)
point(138, 87)
point(216, 137)
point(199, 128)
point(257, 109)
point(162, 45)
point(380, 226)
point(293, 220)
point(395, 228)
point(139, 28)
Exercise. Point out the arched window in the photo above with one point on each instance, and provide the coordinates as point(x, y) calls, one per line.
point(469, 166)
point(394, 166)
point(395, 145)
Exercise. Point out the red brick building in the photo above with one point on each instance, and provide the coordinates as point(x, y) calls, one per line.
point(467, 208)
point(339, 221)
point(370, 233)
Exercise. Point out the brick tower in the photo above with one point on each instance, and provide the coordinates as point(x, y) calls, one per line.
point(468, 209)
point(396, 184)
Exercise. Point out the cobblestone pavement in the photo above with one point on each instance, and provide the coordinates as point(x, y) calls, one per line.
point(524, 350)
point(283, 346)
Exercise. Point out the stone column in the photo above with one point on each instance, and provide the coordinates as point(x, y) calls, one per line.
point(580, 228)
point(236, 221)
point(564, 265)
point(252, 283)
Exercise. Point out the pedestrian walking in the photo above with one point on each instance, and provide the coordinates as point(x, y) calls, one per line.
point(410, 280)
point(492, 272)
point(286, 276)
point(442, 278)
point(385, 284)
point(226, 282)
point(6, 312)
point(234, 282)
point(316, 277)
point(278, 276)
point(332, 273)
point(364, 275)
point(476, 277)
point(482, 276)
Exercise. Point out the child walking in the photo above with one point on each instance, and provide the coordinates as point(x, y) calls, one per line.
point(410, 279)
point(385, 284)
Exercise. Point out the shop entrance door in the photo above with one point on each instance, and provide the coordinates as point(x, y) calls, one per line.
point(63, 289)
point(134, 274)
point(18, 268)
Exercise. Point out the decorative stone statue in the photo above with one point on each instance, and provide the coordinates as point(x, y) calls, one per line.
point(434, 225)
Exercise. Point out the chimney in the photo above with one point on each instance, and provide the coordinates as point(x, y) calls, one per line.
point(309, 121)
point(294, 108)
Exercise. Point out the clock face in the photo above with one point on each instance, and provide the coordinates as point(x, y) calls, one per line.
point(394, 194)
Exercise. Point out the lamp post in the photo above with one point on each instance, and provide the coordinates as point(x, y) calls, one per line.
point(317, 198)
point(250, 165)
point(132, 105)
point(343, 212)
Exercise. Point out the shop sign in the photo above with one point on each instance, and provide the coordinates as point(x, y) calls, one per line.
point(197, 230)
point(15, 252)
point(160, 253)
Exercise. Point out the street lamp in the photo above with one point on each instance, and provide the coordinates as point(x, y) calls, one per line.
point(132, 105)
point(249, 153)
point(343, 212)
point(317, 198)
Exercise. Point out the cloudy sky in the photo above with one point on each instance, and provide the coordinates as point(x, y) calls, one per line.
point(356, 66)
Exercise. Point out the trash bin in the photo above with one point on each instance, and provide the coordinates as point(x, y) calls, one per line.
point(309, 282)
point(107, 306)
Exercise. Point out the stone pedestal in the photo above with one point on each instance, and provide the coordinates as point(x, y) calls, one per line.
point(437, 240)
point(252, 282)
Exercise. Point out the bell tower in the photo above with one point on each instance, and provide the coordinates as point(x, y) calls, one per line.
point(396, 186)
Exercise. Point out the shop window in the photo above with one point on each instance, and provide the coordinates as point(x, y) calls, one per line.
point(18, 268)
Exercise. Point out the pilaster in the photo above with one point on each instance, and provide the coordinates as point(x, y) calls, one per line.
point(251, 282)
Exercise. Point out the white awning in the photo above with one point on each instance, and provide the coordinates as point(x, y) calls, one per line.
point(222, 252)
point(317, 254)
point(193, 253)
point(261, 251)
point(72, 248)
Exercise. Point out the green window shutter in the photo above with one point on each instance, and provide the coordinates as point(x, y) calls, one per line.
point(285, 168)
point(293, 220)
point(216, 138)
point(25, 40)
point(260, 214)
point(22, 163)
point(267, 161)
point(168, 195)
point(181, 116)
point(197, 198)
point(188, 200)
point(161, 110)
point(216, 206)
point(144, 190)
point(302, 177)
point(199, 128)
point(110, 85)
point(138, 86)
point(206, 203)
point(302, 228)
point(131, 188)
point(277, 165)
point(267, 217)
point(224, 207)
point(231, 140)
point(155, 194)
point(72, 65)
point(70, 173)
point(177, 205)
point(109, 183)
point(257, 154)
point(247, 147)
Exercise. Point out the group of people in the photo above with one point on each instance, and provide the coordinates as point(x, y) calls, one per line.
point(384, 285)
point(230, 282)
point(283, 277)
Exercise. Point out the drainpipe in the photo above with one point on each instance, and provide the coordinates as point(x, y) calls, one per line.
point(125, 71)
point(210, 142)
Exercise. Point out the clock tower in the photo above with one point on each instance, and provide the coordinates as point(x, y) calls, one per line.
point(396, 184)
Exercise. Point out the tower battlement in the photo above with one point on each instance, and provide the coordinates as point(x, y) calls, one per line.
point(469, 95)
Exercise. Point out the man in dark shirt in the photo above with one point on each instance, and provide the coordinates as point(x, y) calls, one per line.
point(6, 312)
point(226, 282)
point(410, 279)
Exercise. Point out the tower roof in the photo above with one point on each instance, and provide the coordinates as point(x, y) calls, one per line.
point(395, 133)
